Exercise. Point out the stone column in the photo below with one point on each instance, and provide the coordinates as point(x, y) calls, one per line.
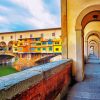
point(99, 49)
point(64, 29)
point(86, 50)
point(79, 55)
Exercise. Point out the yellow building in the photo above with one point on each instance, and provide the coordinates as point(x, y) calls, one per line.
point(15, 47)
point(57, 45)
point(35, 45)
point(47, 46)
point(38, 45)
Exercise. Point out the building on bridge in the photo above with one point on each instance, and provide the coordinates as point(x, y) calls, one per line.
point(37, 45)
point(7, 38)
point(36, 42)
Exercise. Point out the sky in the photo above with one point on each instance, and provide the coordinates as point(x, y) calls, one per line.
point(19, 15)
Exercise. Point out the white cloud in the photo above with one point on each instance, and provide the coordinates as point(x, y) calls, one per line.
point(3, 8)
point(58, 3)
point(3, 20)
point(40, 17)
point(4, 24)
point(29, 13)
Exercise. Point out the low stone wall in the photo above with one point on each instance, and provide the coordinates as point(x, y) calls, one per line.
point(42, 82)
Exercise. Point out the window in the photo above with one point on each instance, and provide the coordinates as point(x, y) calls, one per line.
point(44, 48)
point(37, 39)
point(42, 35)
point(38, 49)
point(50, 48)
point(33, 44)
point(43, 43)
point(57, 49)
point(20, 49)
point(11, 37)
point(56, 42)
point(15, 44)
point(32, 48)
point(31, 35)
point(33, 39)
point(2, 38)
point(25, 39)
point(38, 43)
point(53, 34)
point(20, 36)
point(15, 49)
point(49, 42)
point(21, 44)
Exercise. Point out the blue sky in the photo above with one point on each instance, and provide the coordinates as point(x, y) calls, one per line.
point(17, 15)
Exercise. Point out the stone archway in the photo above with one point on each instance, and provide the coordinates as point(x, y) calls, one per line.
point(10, 44)
point(86, 16)
point(74, 18)
point(91, 33)
point(95, 45)
point(3, 46)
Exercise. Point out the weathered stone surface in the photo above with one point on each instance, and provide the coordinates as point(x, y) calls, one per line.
point(89, 89)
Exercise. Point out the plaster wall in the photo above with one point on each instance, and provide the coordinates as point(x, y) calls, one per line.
point(92, 26)
point(26, 34)
point(74, 8)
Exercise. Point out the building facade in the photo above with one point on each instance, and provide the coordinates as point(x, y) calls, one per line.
point(32, 41)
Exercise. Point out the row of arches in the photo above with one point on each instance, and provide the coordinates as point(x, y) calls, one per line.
point(6, 47)
point(80, 33)
point(92, 44)
point(88, 35)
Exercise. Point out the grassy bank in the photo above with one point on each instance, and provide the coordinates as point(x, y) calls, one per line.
point(6, 70)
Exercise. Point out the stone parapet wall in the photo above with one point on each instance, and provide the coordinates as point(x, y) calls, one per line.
point(42, 82)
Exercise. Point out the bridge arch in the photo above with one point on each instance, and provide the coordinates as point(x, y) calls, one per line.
point(10, 44)
point(3, 46)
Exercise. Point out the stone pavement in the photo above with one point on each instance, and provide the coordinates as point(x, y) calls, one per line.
point(89, 89)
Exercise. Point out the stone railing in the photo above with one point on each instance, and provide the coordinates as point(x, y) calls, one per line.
point(42, 82)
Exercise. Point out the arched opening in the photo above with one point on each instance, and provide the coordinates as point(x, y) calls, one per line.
point(10, 44)
point(93, 48)
point(91, 37)
point(3, 46)
point(90, 14)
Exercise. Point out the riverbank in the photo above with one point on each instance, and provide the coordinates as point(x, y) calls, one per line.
point(6, 70)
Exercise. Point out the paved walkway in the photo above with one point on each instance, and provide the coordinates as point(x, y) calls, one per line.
point(89, 89)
